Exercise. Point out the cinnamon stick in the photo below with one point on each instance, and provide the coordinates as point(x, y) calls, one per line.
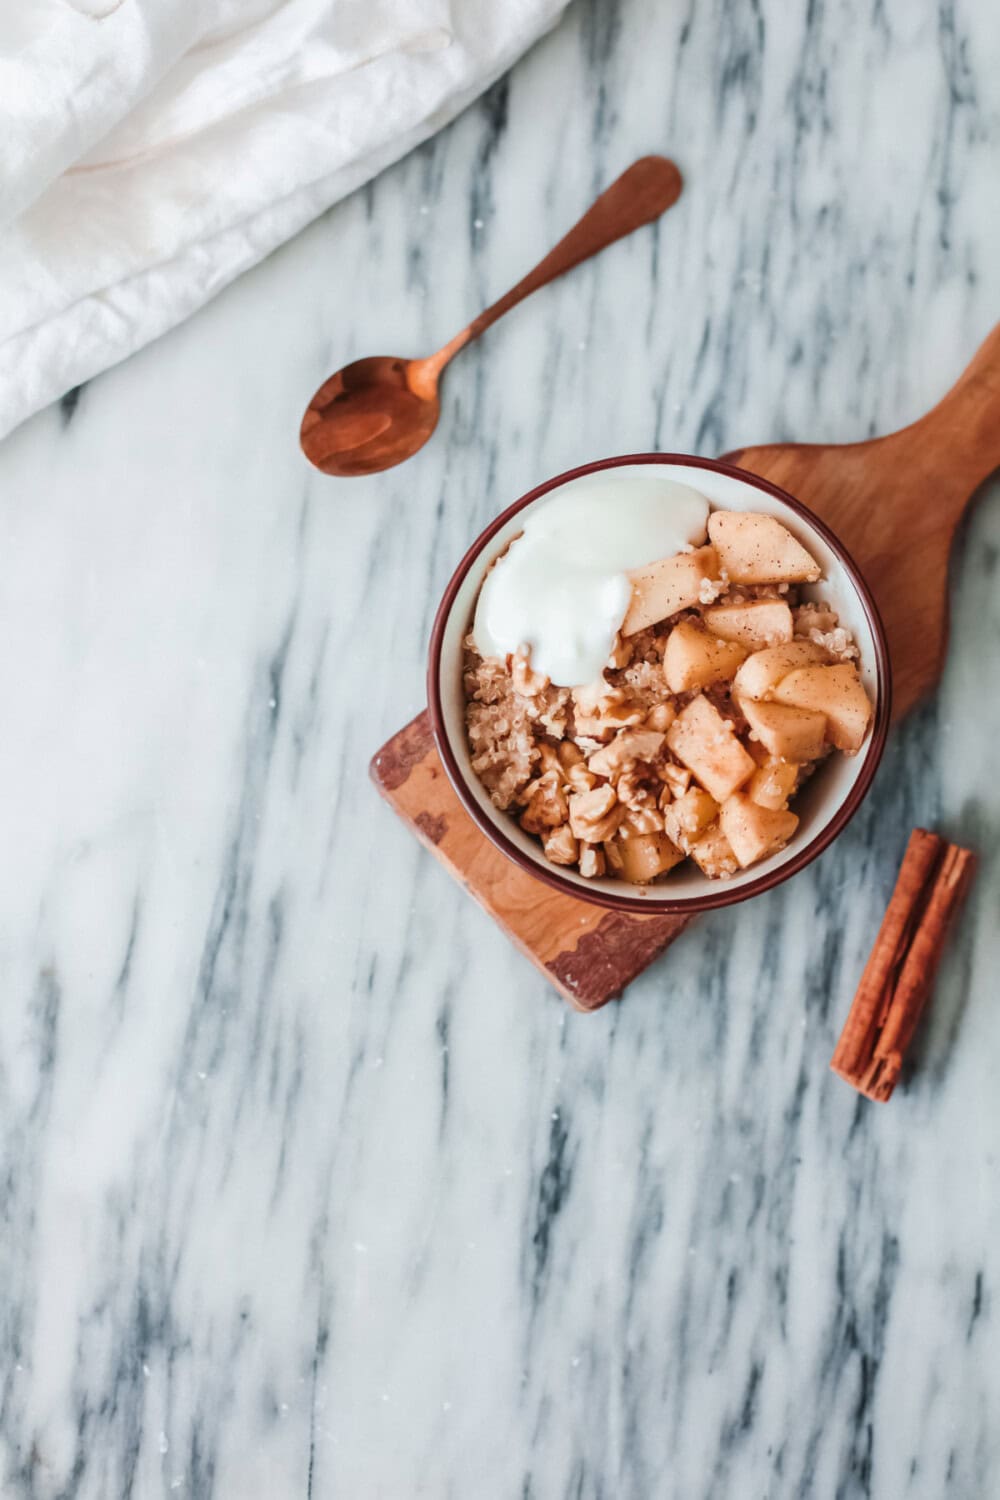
point(898, 977)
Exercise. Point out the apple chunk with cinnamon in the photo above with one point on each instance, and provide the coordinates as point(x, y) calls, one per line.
point(838, 693)
point(666, 586)
point(694, 658)
point(753, 831)
point(728, 682)
point(705, 742)
point(758, 549)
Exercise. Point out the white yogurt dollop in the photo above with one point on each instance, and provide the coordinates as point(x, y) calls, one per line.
point(560, 588)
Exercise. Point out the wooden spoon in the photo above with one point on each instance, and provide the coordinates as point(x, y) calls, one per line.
point(376, 412)
point(896, 503)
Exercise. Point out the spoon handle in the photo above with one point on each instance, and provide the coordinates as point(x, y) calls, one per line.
point(642, 193)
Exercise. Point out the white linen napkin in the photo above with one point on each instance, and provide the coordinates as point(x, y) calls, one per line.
point(151, 150)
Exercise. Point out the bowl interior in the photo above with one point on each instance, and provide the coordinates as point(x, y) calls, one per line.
point(820, 799)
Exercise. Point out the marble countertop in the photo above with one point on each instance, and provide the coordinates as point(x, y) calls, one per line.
point(311, 1186)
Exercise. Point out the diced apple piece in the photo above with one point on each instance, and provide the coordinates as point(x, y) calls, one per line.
point(760, 752)
point(713, 855)
point(695, 659)
point(677, 778)
point(773, 783)
point(660, 717)
point(765, 669)
point(841, 694)
point(796, 734)
point(646, 855)
point(758, 549)
point(662, 588)
point(689, 816)
point(755, 624)
point(704, 741)
point(754, 831)
point(613, 854)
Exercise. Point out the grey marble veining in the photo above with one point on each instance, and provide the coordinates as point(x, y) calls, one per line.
point(311, 1187)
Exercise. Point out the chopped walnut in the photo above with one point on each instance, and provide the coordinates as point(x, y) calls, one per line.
point(545, 804)
point(574, 768)
point(616, 716)
point(594, 816)
point(579, 778)
point(640, 820)
point(561, 847)
point(548, 758)
point(601, 709)
point(590, 700)
point(635, 789)
point(625, 749)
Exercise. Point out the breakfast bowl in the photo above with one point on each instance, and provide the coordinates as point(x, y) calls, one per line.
point(823, 804)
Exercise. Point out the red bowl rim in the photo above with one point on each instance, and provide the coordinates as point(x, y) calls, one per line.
point(655, 905)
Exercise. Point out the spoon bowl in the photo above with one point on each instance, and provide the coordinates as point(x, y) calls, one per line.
point(369, 417)
point(377, 412)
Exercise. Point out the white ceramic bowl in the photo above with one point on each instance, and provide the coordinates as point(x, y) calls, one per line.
point(826, 802)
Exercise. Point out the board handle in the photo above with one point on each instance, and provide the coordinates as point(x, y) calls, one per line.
point(961, 435)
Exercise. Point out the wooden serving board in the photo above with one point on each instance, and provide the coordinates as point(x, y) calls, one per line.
point(895, 502)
